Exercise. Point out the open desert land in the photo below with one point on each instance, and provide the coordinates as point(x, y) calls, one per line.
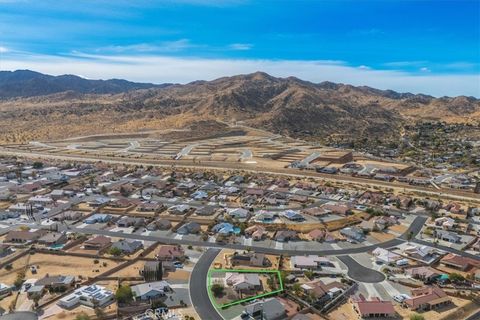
point(56, 265)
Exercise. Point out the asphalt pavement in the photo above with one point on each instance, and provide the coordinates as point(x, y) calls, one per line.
point(360, 273)
point(198, 286)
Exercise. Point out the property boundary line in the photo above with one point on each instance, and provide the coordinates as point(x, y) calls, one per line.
point(226, 305)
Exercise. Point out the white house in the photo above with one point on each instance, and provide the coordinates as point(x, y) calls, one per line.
point(87, 296)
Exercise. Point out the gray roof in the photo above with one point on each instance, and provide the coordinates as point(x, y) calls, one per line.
point(144, 288)
point(272, 309)
point(127, 245)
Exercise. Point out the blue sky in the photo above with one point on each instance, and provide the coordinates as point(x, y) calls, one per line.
point(418, 46)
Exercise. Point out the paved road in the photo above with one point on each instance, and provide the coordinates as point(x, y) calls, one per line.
point(360, 273)
point(198, 286)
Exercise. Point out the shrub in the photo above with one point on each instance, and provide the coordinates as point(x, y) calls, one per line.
point(217, 289)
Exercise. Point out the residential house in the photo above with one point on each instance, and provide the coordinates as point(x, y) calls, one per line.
point(268, 309)
point(53, 238)
point(445, 222)
point(340, 209)
point(374, 308)
point(189, 228)
point(151, 290)
point(265, 217)
point(243, 282)
point(90, 296)
point(423, 273)
point(316, 211)
point(35, 291)
point(223, 228)
point(257, 232)
point(128, 246)
point(353, 233)
point(98, 243)
point(150, 206)
point(170, 253)
point(427, 298)
point(285, 235)
point(385, 256)
point(55, 282)
point(41, 200)
point(255, 192)
point(24, 236)
point(98, 218)
point(250, 259)
point(98, 202)
point(321, 235)
point(309, 262)
point(320, 291)
point(238, 213)
point(126, 221)
point(160, 224)
point(179, 209)
point(422, 253)
point(206, 210)
point(199, 195)
point(293, 216)
point(455, 261)
point(447, 236)
point(69, 216)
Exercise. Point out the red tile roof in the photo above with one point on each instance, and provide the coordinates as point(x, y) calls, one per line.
point(374, 306)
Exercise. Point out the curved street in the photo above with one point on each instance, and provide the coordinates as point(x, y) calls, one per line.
point(199, 289)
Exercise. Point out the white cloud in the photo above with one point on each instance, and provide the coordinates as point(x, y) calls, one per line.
point(160, 69)
point(3, 50)
point(166, 46)
point(424, 69)
point(240, 46)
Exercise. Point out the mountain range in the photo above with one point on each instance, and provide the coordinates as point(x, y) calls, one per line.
point(26, 83)
point(37, 106)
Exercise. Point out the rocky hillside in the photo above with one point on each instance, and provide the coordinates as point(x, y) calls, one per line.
point(285, 105)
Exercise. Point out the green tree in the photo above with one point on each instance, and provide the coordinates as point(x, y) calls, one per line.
point(217, 289)
point(456, 277)
point(114, 251)
point(410, 236)
point(19, 280)
point(297, 288)
point(124, 294)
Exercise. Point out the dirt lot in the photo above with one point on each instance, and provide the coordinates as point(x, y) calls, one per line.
point(344, 312)
point(130, 271)
point(399, 228)
point(347, 221)
point(55, 265)
point(382, 236)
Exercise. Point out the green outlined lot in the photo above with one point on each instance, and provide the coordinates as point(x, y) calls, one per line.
point(235, 302)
